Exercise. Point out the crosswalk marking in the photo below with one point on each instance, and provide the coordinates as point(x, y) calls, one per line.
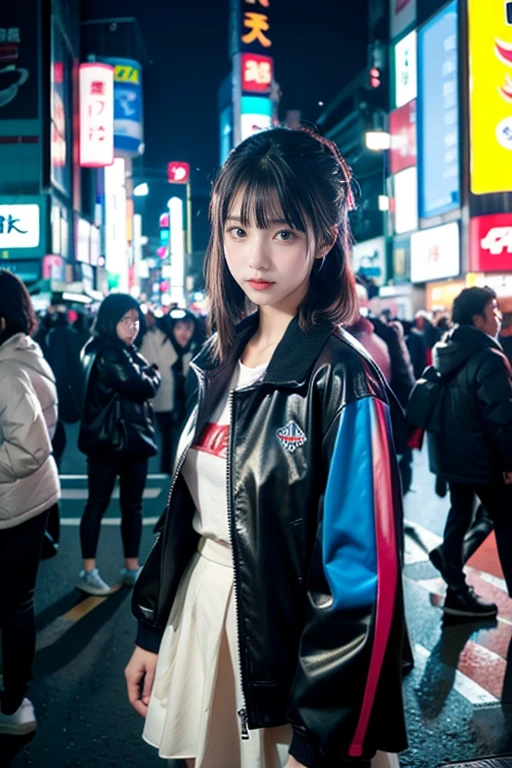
point(465, 686)
point(81, 494)
point(84, 477)
point(75, 521)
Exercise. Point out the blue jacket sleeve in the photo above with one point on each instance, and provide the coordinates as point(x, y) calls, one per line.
point(349, 664)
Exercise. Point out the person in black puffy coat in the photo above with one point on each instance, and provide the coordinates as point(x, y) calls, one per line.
point(472, 449)
point(116, 433)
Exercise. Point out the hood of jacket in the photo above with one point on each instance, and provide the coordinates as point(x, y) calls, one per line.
point(460, 345)
point(24, 351)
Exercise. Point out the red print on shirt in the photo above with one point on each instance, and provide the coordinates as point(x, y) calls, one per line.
point(214, 440)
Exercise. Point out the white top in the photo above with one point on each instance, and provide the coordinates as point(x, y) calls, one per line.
point(204, 468)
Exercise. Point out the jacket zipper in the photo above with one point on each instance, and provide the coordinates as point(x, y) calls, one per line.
point(242, 712)
point(181, 460)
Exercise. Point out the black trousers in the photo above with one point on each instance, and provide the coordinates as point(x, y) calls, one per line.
point(20, 550)
point(102, 476)
point(497, 501)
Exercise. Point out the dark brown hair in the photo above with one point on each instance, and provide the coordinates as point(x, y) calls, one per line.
point(301, 177)
point(15, 306)
point(471, 302)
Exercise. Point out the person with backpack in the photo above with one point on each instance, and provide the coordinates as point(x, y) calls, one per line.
point(464, 401)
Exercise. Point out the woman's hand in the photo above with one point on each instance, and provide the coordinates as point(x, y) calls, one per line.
point(140, 675)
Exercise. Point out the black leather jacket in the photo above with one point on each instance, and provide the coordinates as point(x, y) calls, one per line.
point(475, 442)
point(117, 414)
point(315, 518)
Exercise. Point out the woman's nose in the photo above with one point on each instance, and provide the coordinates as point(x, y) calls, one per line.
point(259, 257)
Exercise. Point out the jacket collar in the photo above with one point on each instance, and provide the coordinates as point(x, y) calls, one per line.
point(293, 357)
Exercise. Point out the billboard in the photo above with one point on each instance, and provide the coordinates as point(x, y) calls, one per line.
point(19, 53)
point(406, 75)
point(490, 243)
point(257, 73)
point(128, 123)
point(438, 115)
point(402, 127)
point(96, 115)
point(490, 64)
point(20, 226)
point(256, 115)
point(403, 15)
point(369, 259)
point(405, 186)
point(435, 253)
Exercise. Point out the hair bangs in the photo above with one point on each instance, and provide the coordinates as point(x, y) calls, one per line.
point(267, 193)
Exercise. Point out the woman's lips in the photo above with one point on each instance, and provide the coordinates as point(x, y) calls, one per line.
point(260, 285)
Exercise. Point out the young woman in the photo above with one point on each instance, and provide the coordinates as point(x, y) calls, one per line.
point(29, 487)
point(116, 433)
point(270, 609)
point(168, 346)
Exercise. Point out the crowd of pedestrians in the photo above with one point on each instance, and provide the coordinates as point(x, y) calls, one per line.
point(271, 603)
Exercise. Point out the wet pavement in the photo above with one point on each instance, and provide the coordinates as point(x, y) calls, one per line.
point(458, 697)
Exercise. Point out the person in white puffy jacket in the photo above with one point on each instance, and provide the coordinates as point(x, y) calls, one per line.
point(29, 487)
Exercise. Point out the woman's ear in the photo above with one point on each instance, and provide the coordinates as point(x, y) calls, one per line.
point(324, 250)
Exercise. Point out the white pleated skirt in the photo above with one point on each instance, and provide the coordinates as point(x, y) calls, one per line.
point(197, 691)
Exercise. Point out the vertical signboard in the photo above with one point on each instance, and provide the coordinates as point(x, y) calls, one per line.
point(402, 127)
point(406, 76)
point(19, 29)
point(435, 253)
point(438, 114)
point(96, 115)
point(128, 123)
point(403, 16)
point(490, 64)
point(252, 67)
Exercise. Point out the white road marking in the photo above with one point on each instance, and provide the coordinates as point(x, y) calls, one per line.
point(75, 521)
point(466, 687)
point(84, 477)
point(81, 494)
point(414, 553)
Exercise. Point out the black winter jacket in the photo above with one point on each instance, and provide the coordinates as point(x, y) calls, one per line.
point(475, 442)
point(315, 518)
point(117, 415)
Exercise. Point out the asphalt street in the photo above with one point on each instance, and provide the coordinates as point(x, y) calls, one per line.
point(458, 697)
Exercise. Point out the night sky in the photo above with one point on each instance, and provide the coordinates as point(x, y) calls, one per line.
point(318, 46)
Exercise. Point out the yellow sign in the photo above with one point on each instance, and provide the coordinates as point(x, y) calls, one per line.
point(490, 65)
point(123, 73)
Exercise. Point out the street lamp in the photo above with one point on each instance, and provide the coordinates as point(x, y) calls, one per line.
point(378, 140)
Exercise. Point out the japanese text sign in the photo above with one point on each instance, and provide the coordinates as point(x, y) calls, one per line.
point(490, 243)
point(490, 60)
point(438, 114)
point(405, 70)
point(254, 32)
point(178, 173)
point(19, 226)
point(435, 253)
point(96, 115)
point(257, 73)
point(402, 127)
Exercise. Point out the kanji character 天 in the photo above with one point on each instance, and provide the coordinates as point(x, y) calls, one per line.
point(258, 24)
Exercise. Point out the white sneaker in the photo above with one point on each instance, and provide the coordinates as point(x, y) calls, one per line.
point(129, 577)
point(92, 583)
point(20, 722)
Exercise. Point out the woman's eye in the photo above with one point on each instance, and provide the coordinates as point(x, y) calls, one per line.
point(285, 236)
point(236, 232)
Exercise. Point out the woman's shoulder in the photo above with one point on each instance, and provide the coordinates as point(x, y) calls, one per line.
point(350, 363)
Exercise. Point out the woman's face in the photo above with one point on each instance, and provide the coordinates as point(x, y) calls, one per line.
point(128, 326)
point(183, 332)
point(272, 266)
